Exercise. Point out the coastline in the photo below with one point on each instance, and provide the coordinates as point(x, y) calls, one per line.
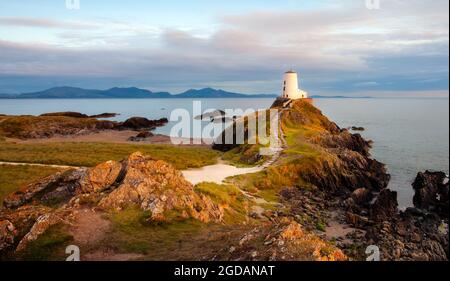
point(330, 193)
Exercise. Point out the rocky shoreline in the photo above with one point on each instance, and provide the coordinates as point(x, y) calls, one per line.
point(330, 201)
point(50, 125)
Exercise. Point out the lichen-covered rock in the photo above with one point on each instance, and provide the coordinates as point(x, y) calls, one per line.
point(7, 234)
point(29, 192)
point(40, 226)
point(284, 240)
point(100, 177)
point(59, 188)
point(157, 187)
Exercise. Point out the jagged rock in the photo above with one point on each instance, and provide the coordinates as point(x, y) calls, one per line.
point(431, 192)
point(61, 187)
point(41, 225)
point(7, 234)
point(100, 177)
point(385, 206)
point(157, 187)
point(55, 189)
point(281, 240)
point(138, 123)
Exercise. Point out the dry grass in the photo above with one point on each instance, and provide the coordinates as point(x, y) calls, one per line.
point(91, 154)
point(13, 177)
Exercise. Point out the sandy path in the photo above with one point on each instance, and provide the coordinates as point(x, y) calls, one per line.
point(217, 173)
point(37, 165)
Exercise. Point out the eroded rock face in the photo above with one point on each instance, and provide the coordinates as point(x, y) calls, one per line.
point(431, 192)
point(385, 206)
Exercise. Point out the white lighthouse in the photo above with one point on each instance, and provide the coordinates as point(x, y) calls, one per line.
point(290, 87)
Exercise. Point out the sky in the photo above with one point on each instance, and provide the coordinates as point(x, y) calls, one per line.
point(339, 47)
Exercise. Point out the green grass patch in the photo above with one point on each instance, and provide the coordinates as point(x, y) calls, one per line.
point(228, 196)
point(132, 233)
point(13, 177)
point(50, 246)
point(91, 154)
point(246, 155)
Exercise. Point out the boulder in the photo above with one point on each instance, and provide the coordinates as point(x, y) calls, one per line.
point(431, 192)
point(138, 123)
point(142, 136)
point(157, 187)
point(100, 178)
point(385, 206)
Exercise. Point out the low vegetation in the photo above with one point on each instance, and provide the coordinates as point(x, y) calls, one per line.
point(133, 233)
point(13, 177)
point(91, 154)
point(229, 197)
point(26, 126)
point(50, 246)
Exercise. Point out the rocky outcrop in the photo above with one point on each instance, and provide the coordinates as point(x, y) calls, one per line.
point(431, 192)
point(138, 181)
point(384, 207)
point(80, 115)
point(282, 240)
point(7, 234)
point(69, 123)
point(139, 123)
point(141, 136)
point(418, 233)
point(157, 187)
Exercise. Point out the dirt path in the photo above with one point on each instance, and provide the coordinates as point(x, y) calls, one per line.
point(89, 227)
point(88, 230)
point(219, 172)
point(37, 165)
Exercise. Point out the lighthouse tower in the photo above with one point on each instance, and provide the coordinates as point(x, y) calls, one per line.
point(290, 87)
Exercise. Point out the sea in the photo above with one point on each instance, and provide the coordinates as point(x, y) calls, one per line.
point(409, 134)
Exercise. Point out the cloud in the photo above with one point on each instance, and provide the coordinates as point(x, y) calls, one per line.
point(340, 48)
point(43, 23)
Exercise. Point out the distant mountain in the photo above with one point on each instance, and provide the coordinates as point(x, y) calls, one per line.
point(136, 93)
point(79, 93)
point(214, 93)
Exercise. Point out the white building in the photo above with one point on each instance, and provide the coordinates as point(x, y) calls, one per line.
point(290, 87)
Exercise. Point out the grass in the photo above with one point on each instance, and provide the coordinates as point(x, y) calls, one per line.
point(13, 177)
point(246, 155)
point(50, 245)
point(228, 196)
point(91, 154)
point(132, 233)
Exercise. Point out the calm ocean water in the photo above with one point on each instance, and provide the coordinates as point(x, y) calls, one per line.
point(410, 135)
